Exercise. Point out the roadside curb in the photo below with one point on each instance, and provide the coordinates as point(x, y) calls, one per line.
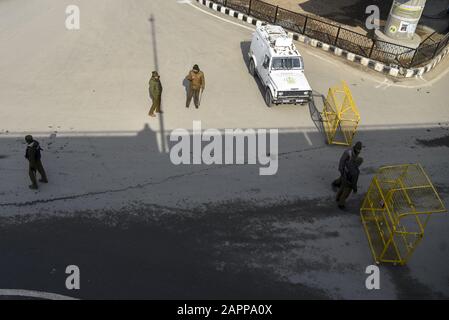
point(393, 71)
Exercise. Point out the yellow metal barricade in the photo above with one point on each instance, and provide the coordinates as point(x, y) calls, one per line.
point(396, 210)
point(340, 115)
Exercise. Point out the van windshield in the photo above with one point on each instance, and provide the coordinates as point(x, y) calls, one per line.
point(287, 63)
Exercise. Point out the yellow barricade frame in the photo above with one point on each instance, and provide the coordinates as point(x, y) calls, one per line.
point(396, 210)
point(340, 115)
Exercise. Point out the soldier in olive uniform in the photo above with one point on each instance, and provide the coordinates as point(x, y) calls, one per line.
point(155, 89)
point(33, 155)
point(197, 84)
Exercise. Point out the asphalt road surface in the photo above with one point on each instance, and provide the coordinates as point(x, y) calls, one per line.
point(138, 226)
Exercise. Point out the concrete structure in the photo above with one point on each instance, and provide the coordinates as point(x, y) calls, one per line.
point(402, 23)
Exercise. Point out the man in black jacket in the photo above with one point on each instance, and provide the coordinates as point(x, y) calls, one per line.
point(33, 155)
point(349, 180)
point(345, 158)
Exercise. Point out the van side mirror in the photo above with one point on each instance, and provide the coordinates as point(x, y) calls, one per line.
point(265, 65)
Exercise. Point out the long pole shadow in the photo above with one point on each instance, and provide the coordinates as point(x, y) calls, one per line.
point(152, 21)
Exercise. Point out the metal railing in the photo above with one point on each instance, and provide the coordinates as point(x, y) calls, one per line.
point(336, 35)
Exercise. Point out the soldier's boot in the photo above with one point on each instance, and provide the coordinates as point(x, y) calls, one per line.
point(33, 187)
point(153, 108)
point(156, 106)
point(43, 174)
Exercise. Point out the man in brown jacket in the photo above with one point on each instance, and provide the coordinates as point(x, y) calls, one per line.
point(197, 84)
point(33, 155)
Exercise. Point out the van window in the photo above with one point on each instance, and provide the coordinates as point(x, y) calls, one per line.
point(266, 61)
point(287, 63)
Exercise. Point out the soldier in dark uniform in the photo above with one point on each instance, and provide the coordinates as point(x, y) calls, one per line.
point(155, 90)
point(346, 156)
point(349, 180)
point(33, 154)
point(197, 84)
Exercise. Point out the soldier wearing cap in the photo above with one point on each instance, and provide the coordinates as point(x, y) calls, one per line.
point(155, 90)
point(349, 154)
point(33, 155)
point(197, 84)
point(349, 180)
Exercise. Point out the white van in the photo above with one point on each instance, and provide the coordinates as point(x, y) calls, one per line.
point(279, 65)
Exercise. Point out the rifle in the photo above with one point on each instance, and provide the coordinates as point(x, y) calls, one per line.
point(201, 96)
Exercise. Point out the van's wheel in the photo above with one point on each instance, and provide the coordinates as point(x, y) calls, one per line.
point(268, 98)
point(252, 68)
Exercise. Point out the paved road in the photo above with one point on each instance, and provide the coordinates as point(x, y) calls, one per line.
point(139, 226)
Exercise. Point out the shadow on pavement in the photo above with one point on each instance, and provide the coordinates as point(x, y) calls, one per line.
point(244, 46)
point(241, 249)
point(351, 14)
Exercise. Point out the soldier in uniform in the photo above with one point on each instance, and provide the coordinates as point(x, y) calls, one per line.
point(197, 84)
point(349, 180)
point(33, 155)
point(155, 89)
point(346, 156)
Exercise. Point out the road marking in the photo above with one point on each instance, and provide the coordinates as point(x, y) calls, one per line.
point(33, 294)
point(426, 83)
point(388, 84)
point(306, 135)
point(384, 85)
point(420, 77)
point(213, 15)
